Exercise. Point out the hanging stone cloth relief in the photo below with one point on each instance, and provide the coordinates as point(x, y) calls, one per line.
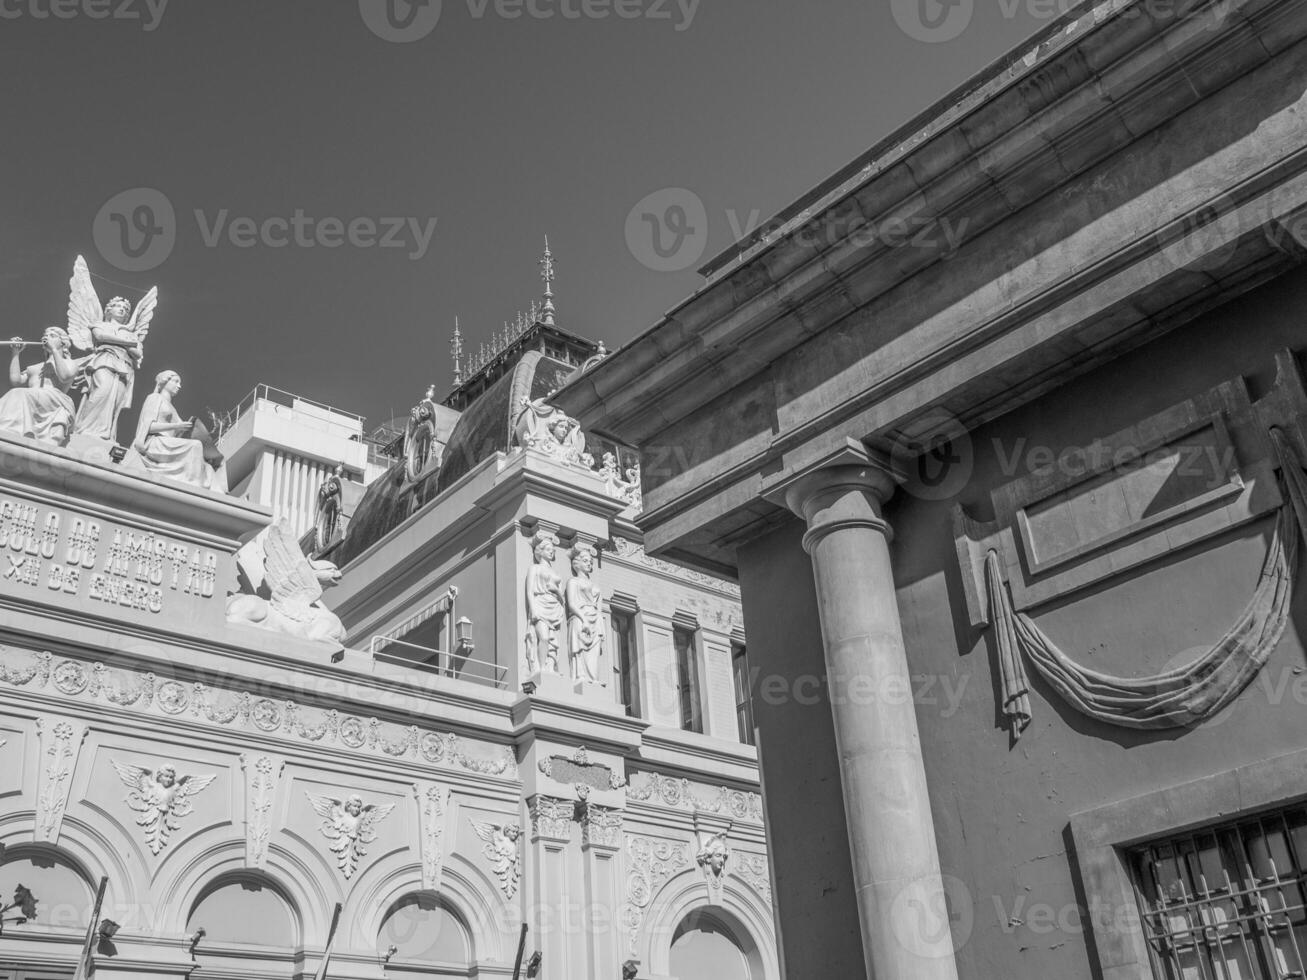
point(1177, 698)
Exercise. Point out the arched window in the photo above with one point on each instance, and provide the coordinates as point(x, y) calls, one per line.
point(64, 898)
point(241, 915)
point(708, 947)
point(428, 939)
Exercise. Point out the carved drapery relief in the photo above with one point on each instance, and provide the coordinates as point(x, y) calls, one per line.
point(651, 862)
point(61, 744)
point(681, 794)
point(601, 827)
point(161, 799)
point(501, 849)
point(143, 692)
point(262, 775)
point(349, 826)
point(433, 809)
point(551, 818)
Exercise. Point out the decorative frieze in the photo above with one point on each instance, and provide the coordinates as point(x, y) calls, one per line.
point(349, 826)
point(161, 799)
point(501, 848)
point(61, 744)
point(681, 794)
point(634, 552)
point(144, 692)
point(433, 809)
point(262, 775)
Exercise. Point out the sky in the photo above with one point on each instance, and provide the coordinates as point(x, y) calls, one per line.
point(318, 187)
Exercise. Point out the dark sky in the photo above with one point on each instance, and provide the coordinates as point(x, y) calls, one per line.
point(502, 129)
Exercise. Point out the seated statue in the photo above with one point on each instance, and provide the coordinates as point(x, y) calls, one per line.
point(39, 406)
point(168, 445)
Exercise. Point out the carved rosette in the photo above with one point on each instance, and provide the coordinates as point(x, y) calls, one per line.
point(601, 828)
point(433, 809)
point(551, 819)
point(262, 775)
point(61, 744)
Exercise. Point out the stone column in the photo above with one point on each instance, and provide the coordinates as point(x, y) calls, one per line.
point(601, 848)
point(901, 903)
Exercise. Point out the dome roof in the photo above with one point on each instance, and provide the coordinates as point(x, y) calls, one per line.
point(483, 429)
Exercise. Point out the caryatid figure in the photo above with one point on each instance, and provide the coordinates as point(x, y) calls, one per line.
point(545, 604)
point(585, 627)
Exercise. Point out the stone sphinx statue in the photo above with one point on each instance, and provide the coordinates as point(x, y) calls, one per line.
point(585, 624)
point(168, 445)
point(116, 337)
point(281, 590)
point(39, 406)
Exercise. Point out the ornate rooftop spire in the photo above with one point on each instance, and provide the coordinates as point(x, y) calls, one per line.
point(547, 274)
point(456, 349)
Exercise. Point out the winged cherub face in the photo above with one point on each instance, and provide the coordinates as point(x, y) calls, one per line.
point(354, 806)
point(118, 310)
point(166, 776)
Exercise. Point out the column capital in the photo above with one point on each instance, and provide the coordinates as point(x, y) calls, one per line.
point(842, 490)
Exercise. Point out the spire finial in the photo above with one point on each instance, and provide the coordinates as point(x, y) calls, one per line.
point(547, 272)
point(456, 349)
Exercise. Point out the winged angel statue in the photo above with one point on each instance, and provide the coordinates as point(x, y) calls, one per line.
point(501, 850)
point(281, 590)
point(349, 825)
point(160, 798)
point(116, 336)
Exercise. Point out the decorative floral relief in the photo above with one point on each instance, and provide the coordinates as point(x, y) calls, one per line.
point(681, 794)
point(262, 773)
point(433, 804)
point(552, 817)
point(62, 745)
point(601, 826)
point(651, 862)
point(143, 691)
point(752, 869)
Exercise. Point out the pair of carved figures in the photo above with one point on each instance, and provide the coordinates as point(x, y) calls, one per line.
point(40, 405)
point(551, 605)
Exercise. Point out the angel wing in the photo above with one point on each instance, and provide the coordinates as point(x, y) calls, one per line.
point(188, 787)
point(137, 780)
point(373, 815)
point(325, 806)
point(290, 577)
point(144, 314)
point(502, 852)
point(84, 308)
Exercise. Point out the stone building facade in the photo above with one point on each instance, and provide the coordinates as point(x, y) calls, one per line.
point(1029, 501)
point(408, 801)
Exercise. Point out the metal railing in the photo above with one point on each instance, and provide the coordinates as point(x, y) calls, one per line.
point(280, 398)
point(442, 663)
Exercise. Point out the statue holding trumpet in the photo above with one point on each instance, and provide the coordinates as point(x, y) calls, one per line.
point(39, 405)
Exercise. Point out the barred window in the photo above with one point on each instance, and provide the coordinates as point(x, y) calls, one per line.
point(1227, 902)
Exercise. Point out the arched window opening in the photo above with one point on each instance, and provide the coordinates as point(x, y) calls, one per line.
point(64, 897)
point(423, 937)
point(708, 947)
point(241, 916)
